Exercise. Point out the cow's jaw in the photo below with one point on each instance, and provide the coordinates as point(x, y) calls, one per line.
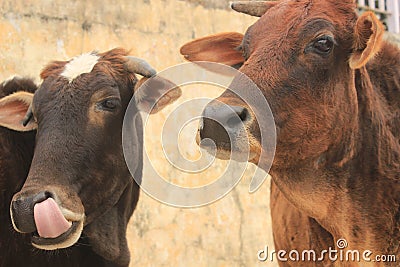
point(226, 153)
point(236, 151)
point(67, 239)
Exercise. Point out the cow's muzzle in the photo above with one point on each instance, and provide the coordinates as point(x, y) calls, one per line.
point(225, 125)
point(51, 225)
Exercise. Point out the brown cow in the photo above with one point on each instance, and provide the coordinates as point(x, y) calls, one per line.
point(79, 194)
point(333, 86)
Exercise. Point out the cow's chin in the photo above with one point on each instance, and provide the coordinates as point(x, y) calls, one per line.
point(228, 154)
point(223, 154)
point(65, 240)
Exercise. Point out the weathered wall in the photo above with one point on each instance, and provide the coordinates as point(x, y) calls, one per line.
point(228, 232)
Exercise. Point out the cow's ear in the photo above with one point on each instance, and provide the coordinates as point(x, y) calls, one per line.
point(367, 40)
point(153, 94)
point(220, 48)
point(13, 109)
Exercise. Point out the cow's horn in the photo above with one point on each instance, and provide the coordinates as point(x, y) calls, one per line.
point(253, 8)
point(139, 66)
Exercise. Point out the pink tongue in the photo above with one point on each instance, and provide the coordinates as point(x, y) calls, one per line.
point(49, 220)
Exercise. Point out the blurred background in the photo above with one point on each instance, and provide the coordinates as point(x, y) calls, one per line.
point(228, 232)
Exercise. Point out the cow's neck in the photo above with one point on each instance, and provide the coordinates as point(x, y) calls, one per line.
point(360, 207)
point(355, 196)
point(368, 184)
point(372, 181)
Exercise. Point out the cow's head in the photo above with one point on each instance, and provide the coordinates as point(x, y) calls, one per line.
point(302, 55)
point(78, 179)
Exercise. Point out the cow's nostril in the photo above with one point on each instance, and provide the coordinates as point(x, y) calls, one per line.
point(243, 114)
point(42, 196)
point(238, 117)
point(22, 210)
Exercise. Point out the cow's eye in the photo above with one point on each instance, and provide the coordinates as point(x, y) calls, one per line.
point(109, 104)
point(323, 45)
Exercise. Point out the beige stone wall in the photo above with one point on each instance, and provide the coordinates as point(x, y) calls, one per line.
point(228, 232)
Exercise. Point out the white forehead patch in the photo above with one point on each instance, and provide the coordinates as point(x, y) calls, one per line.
point(79, 65)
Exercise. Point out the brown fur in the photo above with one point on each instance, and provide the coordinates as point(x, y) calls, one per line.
point(82, 163)
point(337, 158)
point(79, 162)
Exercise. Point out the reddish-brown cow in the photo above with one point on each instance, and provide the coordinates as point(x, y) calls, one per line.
point(333, 86)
